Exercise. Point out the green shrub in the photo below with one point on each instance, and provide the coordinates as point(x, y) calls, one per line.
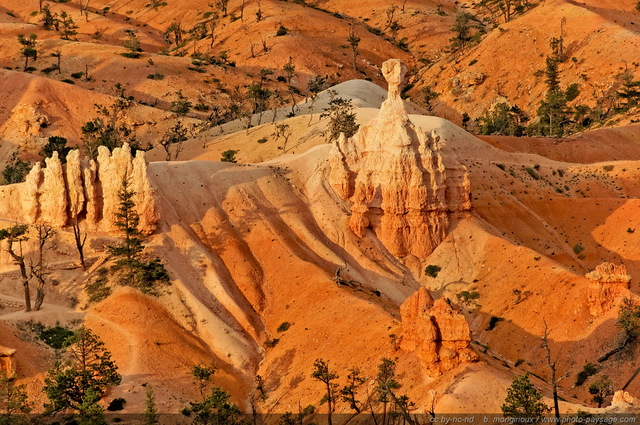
point(149, 273)
point(493, 322)
point(466, 297)
point(15, 171)
point(155, 76)
point(116, 404)
point(532, 173)
point(56, 337)
point(578, 248)
point(607, 167)
point(77, 75)
point(281, 31)
point(48, 70)
point(432, 270)
point(263, 140)
point(131, 55)
point(99, 289)
point(588, 370)
point(56, 144)
point(229, 156)
point(284, 326)
point(270, 343)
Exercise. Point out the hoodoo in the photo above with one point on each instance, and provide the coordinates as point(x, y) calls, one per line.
point(609, 284)
point(396, 178)
point(438, 335)
point(57, 193)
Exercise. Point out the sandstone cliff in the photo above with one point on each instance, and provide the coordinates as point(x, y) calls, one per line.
point(58, 193)
point(398, 182)
point(609, 284)
point(438, 335)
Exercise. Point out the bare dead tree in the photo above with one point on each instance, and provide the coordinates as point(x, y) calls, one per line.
point(553, 370)
point(85, 9)
point(39, 268)
point(80, 239)
point(58, 55)
point(282, 130)
point(213, 24)
point(172, 140)
point(354, 42)
point(13, 235)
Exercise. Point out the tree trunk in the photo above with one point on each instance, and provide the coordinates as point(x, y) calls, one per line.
point(80, 240)
point(39, 296)
point(27, 295)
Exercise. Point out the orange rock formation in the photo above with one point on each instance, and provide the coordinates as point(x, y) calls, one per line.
point(398, 182)
point(609, 283)
point(57, 193)
point(437, 334)
point(7, 365)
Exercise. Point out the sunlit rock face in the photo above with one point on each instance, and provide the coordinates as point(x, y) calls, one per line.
point(398, 182)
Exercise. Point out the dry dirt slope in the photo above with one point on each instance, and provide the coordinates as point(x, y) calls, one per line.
point(600, 42)
point(252, 246)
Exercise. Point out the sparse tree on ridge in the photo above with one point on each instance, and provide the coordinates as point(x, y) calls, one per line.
point(322, 373)
point(28, 49)
point(354, 42)
point(349, 392)
point(386, 386)
point(69, 27)
point(342, 118)
point(173, 139)
point(314, 87)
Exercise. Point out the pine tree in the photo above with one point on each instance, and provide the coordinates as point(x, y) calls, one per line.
point(132, 268)
point(28, 49)
point(80, 380)
point(128, 253)
point(322, 373)
point(553, 111)
point(342, 119)
point(523, 400)
point(150, 415)
point(601, 389)
point(14, 403)
point(69, 27)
